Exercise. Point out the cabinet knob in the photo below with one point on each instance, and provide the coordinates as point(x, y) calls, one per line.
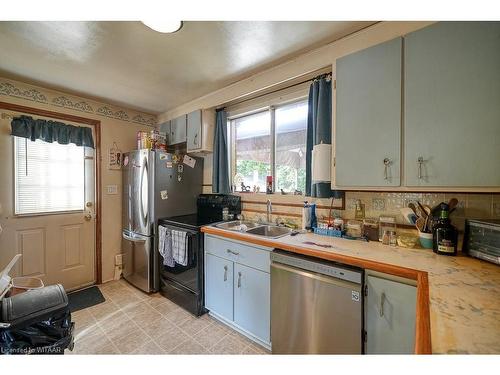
point(195, 140)
point(225, 273)
point(239, 279)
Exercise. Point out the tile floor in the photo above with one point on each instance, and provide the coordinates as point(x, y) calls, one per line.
point(132, 322)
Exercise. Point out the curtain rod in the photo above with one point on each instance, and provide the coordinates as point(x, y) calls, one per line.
point(272, 92)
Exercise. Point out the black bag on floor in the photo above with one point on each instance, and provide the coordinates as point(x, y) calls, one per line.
point(36, 322)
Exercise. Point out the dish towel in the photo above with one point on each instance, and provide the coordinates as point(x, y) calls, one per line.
point(179, 247)
point(165, 246)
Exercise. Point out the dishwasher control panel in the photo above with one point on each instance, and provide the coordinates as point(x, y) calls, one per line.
point(317, 266)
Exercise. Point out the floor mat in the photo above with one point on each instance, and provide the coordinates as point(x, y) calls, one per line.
point(84, 298)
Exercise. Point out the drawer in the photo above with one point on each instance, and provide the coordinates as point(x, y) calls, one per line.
point(238, 252)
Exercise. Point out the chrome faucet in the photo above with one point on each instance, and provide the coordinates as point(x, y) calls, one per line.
point(269, 210)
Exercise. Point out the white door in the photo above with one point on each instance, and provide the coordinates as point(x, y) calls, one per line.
point(47, 208)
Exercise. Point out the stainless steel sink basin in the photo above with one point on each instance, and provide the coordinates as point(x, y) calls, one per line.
point(270, 231)
point(237, 225)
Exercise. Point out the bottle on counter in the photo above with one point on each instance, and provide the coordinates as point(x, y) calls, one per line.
point(444, 235)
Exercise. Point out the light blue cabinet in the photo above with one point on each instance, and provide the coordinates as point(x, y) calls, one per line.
point(219, 286)
point(194, 130)
point(368, 117)
point(164, 129)
point(452, 105)
point(178, 130)
point(252, 301)
point(238, 286)
point(390, 311)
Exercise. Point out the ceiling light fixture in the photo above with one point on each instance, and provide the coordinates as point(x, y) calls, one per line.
point(163, 26)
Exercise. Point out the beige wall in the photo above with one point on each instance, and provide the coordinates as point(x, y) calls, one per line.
point(118, 125)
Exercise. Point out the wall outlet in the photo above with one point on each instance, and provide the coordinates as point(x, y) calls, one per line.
point(359, 210)
point(118, 259)
point(112, 189)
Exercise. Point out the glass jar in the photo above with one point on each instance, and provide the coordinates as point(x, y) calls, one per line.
point(386, 223)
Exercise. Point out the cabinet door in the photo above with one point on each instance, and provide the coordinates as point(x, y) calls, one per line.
point(452, 111)
point(390, 309)
point(252, 310)
point(178, 130)
point(368, 117)
point(219, 286)
point(194, 130)
point(164, 128)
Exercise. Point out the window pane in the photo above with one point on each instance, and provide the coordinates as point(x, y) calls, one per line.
point(49, 177)
point(253, 149)
point(291, 129)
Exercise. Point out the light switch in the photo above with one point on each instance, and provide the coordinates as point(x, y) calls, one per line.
point(112, 189)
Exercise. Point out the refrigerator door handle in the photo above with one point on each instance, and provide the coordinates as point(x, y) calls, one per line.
point(132, 239)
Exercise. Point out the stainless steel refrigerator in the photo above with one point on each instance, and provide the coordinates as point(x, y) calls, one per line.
point(155, 185)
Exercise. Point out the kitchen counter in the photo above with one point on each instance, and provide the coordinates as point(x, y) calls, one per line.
point(458, 298)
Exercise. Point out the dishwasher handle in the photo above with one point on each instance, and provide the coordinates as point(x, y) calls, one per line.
point(312, 275)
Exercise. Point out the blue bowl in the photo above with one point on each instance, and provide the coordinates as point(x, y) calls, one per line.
point(425, 240)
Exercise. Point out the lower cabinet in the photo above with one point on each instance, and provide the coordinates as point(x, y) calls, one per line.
point(238, 286)
point(219, 286)
point(252, 299)
point(390, 311)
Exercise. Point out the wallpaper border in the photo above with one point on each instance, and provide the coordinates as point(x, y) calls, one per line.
point(57, 99)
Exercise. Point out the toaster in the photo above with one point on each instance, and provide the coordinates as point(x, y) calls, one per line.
point(482, 239)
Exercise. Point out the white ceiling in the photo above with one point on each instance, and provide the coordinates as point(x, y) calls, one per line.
point(126, 63)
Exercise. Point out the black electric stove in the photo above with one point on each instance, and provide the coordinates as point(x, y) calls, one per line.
point(184, 285)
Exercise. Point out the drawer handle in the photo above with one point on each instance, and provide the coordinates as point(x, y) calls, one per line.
point(239, 279)
point(382, 300)
point(232, 252)
point(225, 273)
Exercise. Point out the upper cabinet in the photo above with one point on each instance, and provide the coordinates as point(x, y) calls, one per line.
point(200, 131)
point(177, 130)
point(452, 105)
point(444, 82)
point(368, 117)
point(195, 128)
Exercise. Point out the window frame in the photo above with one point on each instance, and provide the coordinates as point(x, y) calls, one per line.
point(44, 213)
point(271, 107)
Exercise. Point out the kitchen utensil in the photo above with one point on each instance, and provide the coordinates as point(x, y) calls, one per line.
point(412, 207)
point(423, 210)
point(409, 215)
point(317, 244)
point(420, 224)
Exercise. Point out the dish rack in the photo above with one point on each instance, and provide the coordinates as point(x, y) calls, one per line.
point(329, 232)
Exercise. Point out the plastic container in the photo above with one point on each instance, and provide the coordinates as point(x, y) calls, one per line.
point(23, 283)
point(425, 240)
point(354, 228)
point(370, 229)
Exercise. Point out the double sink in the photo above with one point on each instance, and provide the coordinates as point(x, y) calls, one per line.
point(250, 227)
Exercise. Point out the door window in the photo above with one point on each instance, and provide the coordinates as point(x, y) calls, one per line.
point(49, 177)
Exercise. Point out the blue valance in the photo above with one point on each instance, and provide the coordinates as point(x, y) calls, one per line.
point(51, 131)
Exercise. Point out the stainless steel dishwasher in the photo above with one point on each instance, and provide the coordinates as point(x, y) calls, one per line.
point(316, 306)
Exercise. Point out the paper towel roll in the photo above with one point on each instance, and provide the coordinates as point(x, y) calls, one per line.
point(321, 163)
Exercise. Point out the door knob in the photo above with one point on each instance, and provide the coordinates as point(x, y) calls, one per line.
point(88, 217)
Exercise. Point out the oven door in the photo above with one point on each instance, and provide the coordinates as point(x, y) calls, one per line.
point(188, 276)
